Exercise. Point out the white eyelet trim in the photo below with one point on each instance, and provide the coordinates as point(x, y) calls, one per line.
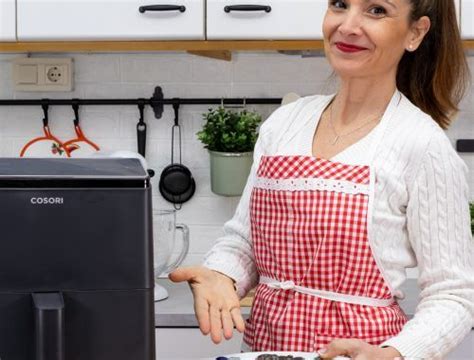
point(340, 186)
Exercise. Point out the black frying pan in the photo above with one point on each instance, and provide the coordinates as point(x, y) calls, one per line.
point(176, 184)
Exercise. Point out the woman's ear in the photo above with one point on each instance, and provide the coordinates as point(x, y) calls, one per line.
point(417, 33)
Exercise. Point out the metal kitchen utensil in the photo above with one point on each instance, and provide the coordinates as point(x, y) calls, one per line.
point(176, 184)
point(141, 129)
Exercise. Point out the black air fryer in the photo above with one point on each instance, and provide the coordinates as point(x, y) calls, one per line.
point(76, 260)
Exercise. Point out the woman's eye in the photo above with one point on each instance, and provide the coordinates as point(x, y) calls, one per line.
point(378, 10)
point(338, 4)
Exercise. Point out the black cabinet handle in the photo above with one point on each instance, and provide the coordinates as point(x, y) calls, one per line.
point(230, 8)
point(146, 8)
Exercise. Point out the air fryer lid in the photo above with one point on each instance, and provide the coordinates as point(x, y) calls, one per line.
point(24, 169)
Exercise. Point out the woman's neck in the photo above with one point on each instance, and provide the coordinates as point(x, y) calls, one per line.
point(358, 100)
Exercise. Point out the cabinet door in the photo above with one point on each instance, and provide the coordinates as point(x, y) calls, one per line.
point(265, 19)
point(7, 20)
point(191, 344)
point(110, 20)
point(467, 19)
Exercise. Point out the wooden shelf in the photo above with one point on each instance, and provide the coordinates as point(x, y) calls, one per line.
point(468, 44)
point(132, 46)
point(215, 49)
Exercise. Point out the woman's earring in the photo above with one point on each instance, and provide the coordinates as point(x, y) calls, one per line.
point(410, 47)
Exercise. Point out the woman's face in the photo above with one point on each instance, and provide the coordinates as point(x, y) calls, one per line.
point(366, 37)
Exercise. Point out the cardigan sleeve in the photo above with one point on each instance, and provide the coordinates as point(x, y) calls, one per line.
point(439, 231)
point(232, 254)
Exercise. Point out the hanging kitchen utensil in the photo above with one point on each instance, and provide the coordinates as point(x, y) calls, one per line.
point(141, 129)
point(176, 184)
point(141, 133)
point(80, 145)
point(47, 145)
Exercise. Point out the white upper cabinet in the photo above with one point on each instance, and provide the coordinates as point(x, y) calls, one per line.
point(265, 19)
point(7, 20)
point(467, 19)
point(71, 20)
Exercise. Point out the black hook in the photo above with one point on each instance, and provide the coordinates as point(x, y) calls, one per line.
point(45, 107)
point(75, 107)
point(141, 108)
point(176, 111)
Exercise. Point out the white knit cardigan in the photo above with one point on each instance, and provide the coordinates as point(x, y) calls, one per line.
point(420, 216)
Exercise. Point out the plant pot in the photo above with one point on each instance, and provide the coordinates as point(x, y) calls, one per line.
point(229, 172)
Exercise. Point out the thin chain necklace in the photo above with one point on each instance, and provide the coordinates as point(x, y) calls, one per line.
point(336, 138)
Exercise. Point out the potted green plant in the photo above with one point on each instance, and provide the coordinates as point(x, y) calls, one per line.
point(230, 137)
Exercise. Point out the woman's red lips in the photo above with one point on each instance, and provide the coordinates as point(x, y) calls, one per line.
point(348, 47)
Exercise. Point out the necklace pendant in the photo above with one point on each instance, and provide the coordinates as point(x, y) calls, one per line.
point(335, 139)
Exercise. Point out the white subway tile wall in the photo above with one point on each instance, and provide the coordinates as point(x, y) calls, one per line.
point(256, 74)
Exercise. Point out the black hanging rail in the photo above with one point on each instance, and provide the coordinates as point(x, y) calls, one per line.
point(156, 101)
point(465, 145)
point(151, 102)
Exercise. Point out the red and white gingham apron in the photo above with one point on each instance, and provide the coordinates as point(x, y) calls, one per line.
point(318, 277)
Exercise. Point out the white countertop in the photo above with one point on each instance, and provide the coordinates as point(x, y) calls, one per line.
point(177, 310)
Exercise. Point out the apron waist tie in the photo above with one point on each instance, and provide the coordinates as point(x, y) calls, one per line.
point(329, 295)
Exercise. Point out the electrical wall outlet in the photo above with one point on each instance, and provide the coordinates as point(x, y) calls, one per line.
point(54, 74)
point(43, 74)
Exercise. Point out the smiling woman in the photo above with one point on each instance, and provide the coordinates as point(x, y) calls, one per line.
point(376, 30)
point(349, 190)
point(431, 68)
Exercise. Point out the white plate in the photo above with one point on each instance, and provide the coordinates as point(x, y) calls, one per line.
point(254, 355)
point(121, 154)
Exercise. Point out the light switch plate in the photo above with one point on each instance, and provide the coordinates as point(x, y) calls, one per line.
point(43, 74)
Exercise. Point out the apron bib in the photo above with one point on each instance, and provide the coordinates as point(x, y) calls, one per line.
point(318, 277)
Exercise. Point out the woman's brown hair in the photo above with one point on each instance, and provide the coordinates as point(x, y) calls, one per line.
point(436, 75)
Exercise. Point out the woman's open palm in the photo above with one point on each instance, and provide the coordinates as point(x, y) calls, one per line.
point(216, 303)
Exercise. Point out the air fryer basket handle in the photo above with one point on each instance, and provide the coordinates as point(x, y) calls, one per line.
point(49, 326)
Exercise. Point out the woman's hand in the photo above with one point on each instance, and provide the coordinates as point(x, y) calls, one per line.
point(358, 350)
point(216, 303)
